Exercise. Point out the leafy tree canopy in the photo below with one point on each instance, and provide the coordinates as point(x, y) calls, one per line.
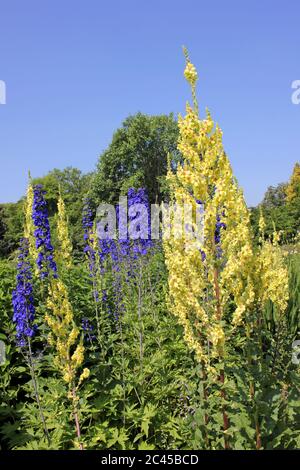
point(137, 157)
point(73, 185)
point(275, 196)
point(293, 188)
point(281, 207)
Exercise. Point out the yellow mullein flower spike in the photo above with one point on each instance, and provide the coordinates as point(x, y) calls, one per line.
point(272, 274)
point(204, 279)
point(271, 270)
point(64, 332)
point(63, 233)
point(200, 285)
point(85, 375)
point(190, 73)
point(29, 225)
point(293, 187)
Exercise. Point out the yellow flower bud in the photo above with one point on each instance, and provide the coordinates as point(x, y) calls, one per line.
point(84, 375)
point(63, 233)
point(190, 73)
point(64, 333)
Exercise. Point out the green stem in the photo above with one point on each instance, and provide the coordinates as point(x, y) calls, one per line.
point(76, 417)
point(36, 392)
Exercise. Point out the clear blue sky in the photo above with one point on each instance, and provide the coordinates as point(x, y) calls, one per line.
point(75, 69)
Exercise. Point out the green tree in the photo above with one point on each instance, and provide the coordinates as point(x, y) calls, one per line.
point(11, 227)
point(293, 187)
point(2, 231)
point(281, 206)
point(274, 196)
point(137, 157)
point(74, 186)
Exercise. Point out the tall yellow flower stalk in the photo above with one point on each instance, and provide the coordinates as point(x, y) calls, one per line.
point(64, 337)
point(271, 271)
point(63, 233)
point(293, 187)
point(216, 282)
point(28, 223)
point(203, 278)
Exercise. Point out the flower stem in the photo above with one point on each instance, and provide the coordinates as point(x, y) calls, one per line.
point(226, 423)
point(140, 318)
point(36, 392)
point(76, 418)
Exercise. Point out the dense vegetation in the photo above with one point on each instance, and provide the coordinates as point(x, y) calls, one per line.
point(281, 206)
point(142, 344)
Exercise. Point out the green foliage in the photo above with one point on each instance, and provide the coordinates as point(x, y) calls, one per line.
point(281, 210)
point(11, 230)
point(150, 397)
point(74, 186)
point(144, 375)
point(123, 405)
point(274, 196)
point(145, 390)
point(136, 157)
